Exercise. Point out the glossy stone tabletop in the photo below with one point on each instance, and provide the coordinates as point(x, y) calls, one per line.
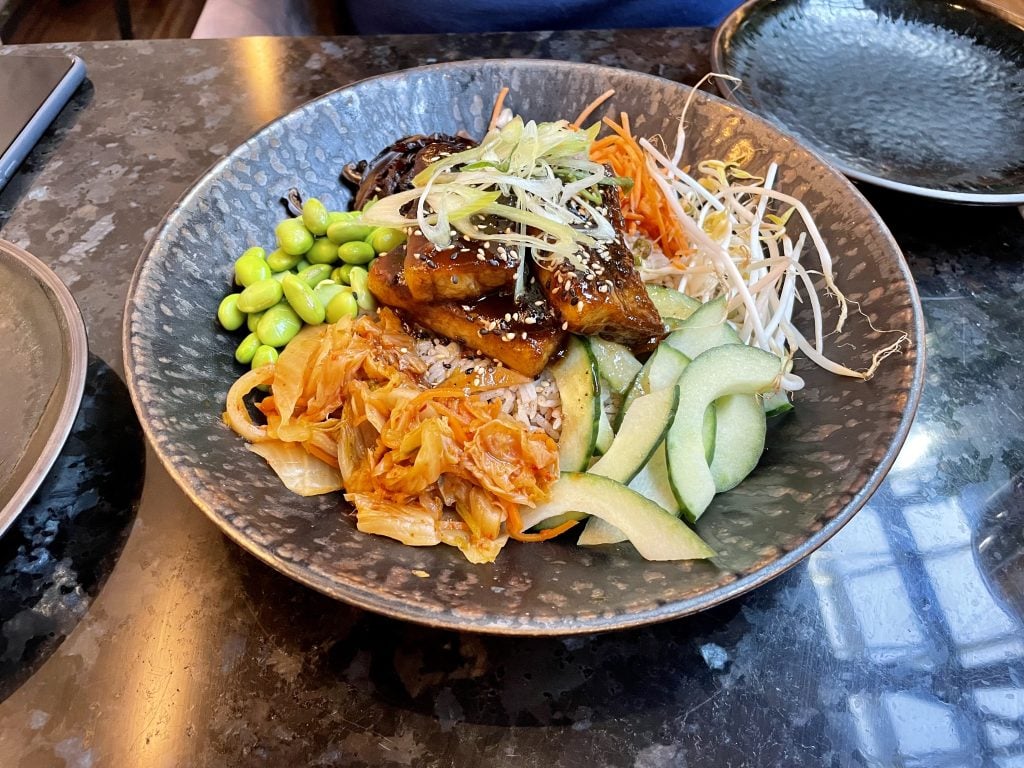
point(132, 633)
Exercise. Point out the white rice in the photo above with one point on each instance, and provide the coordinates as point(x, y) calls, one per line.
point(535, 403)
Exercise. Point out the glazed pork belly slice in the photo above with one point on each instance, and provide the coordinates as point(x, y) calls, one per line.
point(523, 337)
point(394, 167)
point(607, 298)
point(465, 270)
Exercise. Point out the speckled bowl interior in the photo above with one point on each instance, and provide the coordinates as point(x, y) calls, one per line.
point(923, 97)
point(822, 461)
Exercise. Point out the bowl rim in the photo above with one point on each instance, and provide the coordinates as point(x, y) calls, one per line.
point(490, 624)
point(75, 360)
point(732, 23)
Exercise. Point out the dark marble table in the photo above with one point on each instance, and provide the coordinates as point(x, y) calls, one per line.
point(132, 633)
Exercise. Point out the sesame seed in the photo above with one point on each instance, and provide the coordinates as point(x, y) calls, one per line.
point(530, 320)
point(524, 335)
point(579, 305)
point(565, 326)
point(507, 317)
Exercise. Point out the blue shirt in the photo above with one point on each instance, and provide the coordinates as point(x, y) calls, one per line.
point(412, 16)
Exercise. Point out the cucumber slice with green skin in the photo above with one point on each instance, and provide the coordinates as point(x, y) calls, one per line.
point(655, 533)
point(661, 371)
point(642, 430)
point(777, 404)
point(704, 329)
point(732, 369)
point(605, 434)
point(651, 482)
point(739, 439)
point(672, 303)
point(576, 377)
point(615, 364)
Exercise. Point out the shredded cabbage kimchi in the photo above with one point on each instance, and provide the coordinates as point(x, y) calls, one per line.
point(349, 409)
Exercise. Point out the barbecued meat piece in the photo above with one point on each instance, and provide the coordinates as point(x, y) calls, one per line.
point(466, 270)
point(523, 337)
point(394, 167)
point(608, 298)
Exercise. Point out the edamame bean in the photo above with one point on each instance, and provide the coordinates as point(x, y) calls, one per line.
point(342, 305)
point(347, 231)
point(230, 316)
point(356, 252)
point(322, 252)
point(302, 299)
point(278, 325)
point(303, 264)
point(358, 279)
point(327, 290)
point(247, 348)
point(314, 216)
point(265, 355)
point(251, 267)
point(261, 295)
point(335, 216)
point(340, 275)
point(279, 276)
point(293, 238)
point(279, 261)
point(253, 320)
point(384, 239)
point(314, 274)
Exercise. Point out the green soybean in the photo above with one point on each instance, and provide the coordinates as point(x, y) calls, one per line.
point(251, 267)
point(327, 290)
point(230, 316)
point(264, 355)
point(386, 239)
point(340, 275)
point(303, 264)
point(278, 325)
point(342, 305)
point(347, 231)
point(261, 295)
point(279, 261)
point(247, 348)
point(335, 216)
point(314, 274)
point(279, 276)
point(314, 216)
point(322, 252)
point(302, 299)
point(356, 252)
point(358, 279)
point(293, 238)
point(253, 320)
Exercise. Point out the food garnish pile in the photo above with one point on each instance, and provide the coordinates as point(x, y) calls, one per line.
point(513, 337)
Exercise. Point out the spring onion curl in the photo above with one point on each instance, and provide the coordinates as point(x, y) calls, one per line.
point(744, 250)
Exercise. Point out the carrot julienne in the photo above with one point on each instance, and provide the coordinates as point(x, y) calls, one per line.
point(644, 206)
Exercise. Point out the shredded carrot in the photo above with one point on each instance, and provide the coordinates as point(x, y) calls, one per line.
point(644, 206)
point(588, 110)
point(498, 104)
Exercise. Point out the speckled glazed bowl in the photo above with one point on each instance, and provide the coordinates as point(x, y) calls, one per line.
point(921, 97)
point(822, 462)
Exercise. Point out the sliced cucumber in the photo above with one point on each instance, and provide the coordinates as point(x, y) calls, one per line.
point(739, 439)
point(615, 364)
point(661, 371)
point(672, 303)
point(733, 369)
point(777, 404)
point(650, 482)
point(704, 329)
point(605, 433)
point(655, 533)
point(641, 432)
point(576, 377)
